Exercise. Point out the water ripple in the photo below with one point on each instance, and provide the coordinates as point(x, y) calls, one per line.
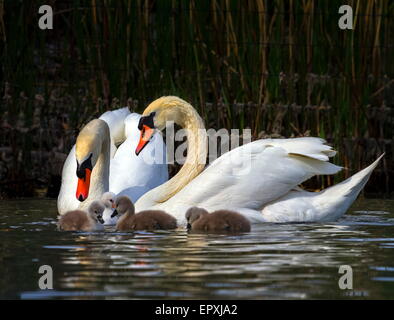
point(276, 261)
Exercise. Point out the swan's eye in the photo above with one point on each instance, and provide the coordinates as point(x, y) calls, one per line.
point(111, 200)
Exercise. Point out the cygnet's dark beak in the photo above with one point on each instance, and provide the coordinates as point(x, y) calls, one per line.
point(114, 214)
point(188, 226)
point(100, 219)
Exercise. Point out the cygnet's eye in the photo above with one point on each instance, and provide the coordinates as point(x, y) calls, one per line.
point(95, 211)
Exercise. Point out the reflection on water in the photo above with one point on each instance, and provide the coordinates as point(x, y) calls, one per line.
point(291, 261)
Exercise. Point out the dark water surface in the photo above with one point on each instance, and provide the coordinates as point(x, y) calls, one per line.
point(277, 261)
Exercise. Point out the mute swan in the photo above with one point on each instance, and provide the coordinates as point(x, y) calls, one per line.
point(66, 200)
point(131, 175)
point(95, 166)
point(145, 220)
point(265, 191)
point(199, 219)
point(78, 220)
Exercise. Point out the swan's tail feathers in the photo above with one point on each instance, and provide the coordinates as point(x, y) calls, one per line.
point(341, 196)
point(353, 185)
point(326, 205)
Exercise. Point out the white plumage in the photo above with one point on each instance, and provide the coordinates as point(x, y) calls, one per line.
point(260, 179)
point(129, 175)
point(251, 176)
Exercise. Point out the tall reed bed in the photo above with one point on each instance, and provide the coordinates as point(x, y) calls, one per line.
point(281, 68)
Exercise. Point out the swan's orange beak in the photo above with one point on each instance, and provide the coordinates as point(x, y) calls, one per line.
point(146, 134)
point(83, 185)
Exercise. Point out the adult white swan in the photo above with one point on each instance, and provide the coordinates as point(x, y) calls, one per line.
point(259, 179)
point(95, 165)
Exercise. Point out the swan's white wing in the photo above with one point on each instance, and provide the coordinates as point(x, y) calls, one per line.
point(116, 123)
point(254, 174)
point(310, 147)
point(134, 175)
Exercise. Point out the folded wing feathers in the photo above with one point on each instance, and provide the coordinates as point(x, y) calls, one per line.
point(311, 147)
point(115, 120)
point(311, 151)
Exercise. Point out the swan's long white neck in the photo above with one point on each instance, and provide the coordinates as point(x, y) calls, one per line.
point(183, 114)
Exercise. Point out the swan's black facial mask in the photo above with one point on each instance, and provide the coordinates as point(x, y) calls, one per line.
point(87, 164)
point(147, 128)
point(147, 121)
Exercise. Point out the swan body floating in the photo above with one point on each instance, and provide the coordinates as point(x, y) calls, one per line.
point(259, 179)
point(95, 165)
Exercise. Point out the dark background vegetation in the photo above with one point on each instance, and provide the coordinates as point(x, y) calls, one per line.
point(281, 68)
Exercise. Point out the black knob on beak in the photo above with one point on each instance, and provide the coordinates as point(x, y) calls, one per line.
point(114, 214)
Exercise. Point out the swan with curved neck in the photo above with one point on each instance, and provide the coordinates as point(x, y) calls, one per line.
point(267, 191)
point(182, 113)
point(92, 153)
